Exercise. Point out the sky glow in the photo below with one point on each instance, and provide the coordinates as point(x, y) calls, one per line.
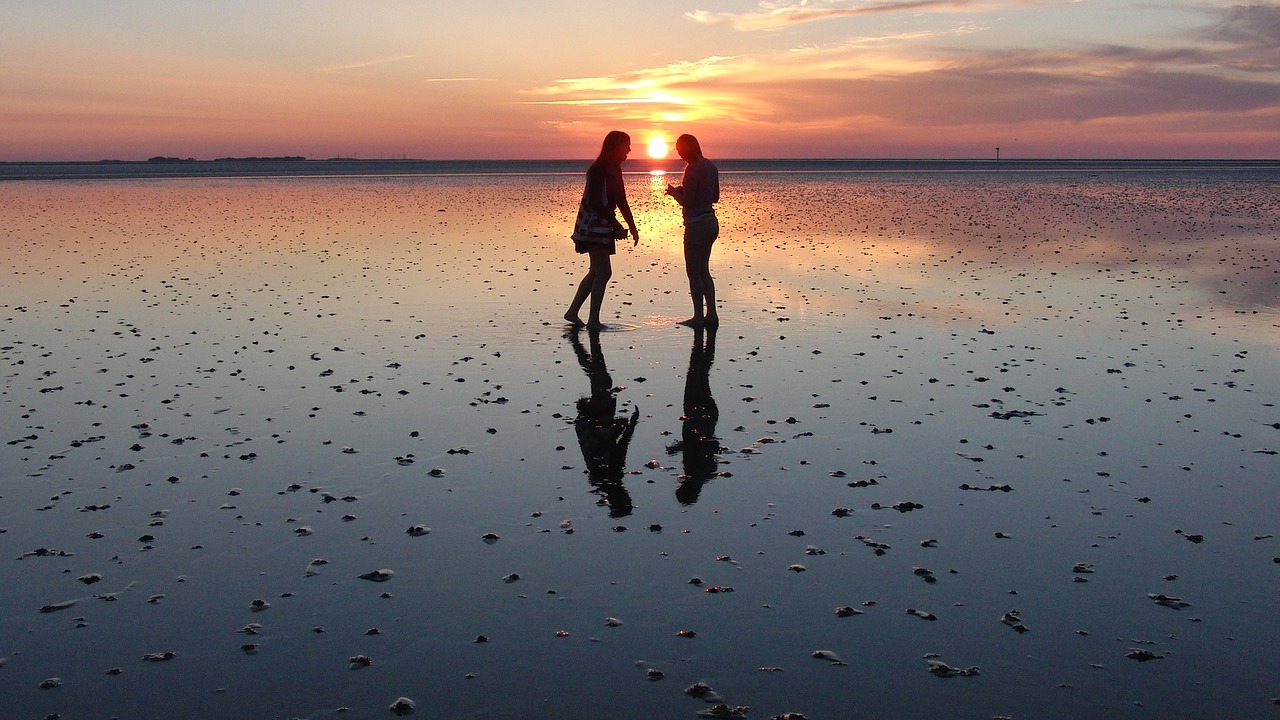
point(83, 80)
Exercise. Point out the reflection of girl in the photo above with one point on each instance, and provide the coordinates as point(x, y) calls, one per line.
point(604, 193)
point(602, 435)
point(698, 444)
point(698, 190)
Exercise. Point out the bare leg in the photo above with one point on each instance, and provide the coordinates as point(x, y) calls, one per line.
point(702, 289)
point(592, 286)
point(601, 271)
point(579, 297)
point(711, 317)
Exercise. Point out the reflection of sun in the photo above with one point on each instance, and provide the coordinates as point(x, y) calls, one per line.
point(657, 147)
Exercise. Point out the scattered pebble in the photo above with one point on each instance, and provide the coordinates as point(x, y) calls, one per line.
point(402, 706)
point(1014, 620)
point(938, 668)
point(1142, 655)
point(1169, 601)
point(827, 655)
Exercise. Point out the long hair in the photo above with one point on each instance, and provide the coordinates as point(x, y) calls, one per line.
point(614, 139)
point(691, 146)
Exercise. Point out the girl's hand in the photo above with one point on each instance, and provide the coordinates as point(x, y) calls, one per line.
point(635, 234)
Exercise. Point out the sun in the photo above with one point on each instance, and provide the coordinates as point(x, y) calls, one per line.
point(658, 147)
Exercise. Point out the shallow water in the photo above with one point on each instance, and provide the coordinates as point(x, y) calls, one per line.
point(220, 363)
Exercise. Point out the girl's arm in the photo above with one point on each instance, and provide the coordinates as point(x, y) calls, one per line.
point(677, 192)
point(631, 221)
point(625, 207)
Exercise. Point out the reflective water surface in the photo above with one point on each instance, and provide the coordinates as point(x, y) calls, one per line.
point(935, 399)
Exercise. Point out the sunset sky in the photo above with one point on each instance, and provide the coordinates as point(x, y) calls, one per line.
point(130, 79)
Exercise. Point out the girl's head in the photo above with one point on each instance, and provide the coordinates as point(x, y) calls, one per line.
point(687, 148)
point(615, 147)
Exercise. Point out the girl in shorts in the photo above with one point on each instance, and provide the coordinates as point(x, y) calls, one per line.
point(699, 188)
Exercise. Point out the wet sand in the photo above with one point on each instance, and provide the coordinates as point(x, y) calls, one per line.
point(1000, 444)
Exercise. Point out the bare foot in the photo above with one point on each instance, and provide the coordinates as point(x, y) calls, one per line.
point(693, 322)
point(711, 320)
point(595, 325)
point(573, 319)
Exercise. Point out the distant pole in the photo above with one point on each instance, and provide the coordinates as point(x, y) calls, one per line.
point(997, 153)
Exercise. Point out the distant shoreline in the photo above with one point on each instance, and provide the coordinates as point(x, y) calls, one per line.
point(296, 166)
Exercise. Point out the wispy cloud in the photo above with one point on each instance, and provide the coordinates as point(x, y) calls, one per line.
point(771, 16)
point(366, 64)
point(640, 81)
point(678, 91)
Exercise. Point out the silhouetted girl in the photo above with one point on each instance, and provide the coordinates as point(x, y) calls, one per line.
point(597, 230)
point(699, 188)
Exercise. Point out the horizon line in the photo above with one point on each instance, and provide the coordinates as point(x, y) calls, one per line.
point(172, 160)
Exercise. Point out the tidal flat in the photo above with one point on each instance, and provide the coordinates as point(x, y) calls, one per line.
point(964, 445)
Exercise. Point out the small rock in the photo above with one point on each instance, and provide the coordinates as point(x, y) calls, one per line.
point(1014, 620)
point(402, 706)
point(939, 668)
point(827, 655)
point(1142, 655)
point(1169, 601)
point(922, 614)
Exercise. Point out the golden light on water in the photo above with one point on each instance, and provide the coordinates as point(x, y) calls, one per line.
point(658, 147)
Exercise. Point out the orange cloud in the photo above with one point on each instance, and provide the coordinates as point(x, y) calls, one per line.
point(897, 94)
point(678, 92)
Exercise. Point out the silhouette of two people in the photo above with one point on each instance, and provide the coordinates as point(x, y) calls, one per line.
point(604, 435)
